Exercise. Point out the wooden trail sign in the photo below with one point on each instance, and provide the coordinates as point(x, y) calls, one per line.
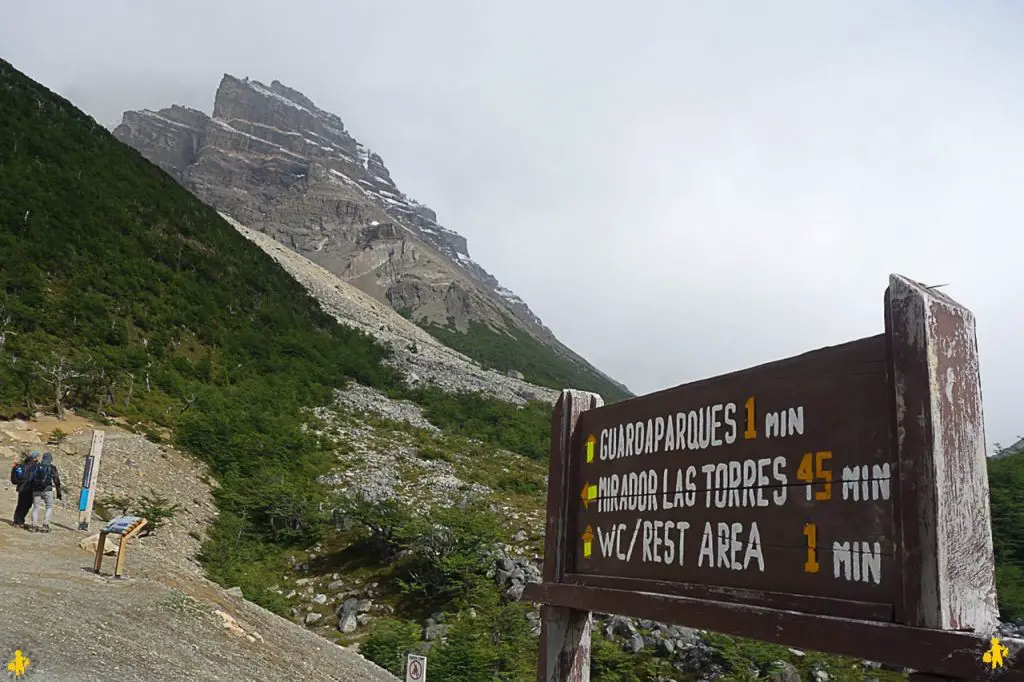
point(89, 475)
point(125, 526)
point(836, 500)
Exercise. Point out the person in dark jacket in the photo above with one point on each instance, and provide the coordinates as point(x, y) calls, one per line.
point(22, 486)
point(44, 481)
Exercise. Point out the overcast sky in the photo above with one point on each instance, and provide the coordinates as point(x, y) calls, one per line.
point(732, 181)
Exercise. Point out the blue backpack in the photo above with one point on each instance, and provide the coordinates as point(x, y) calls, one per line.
point(18, 475)
point(42, 477)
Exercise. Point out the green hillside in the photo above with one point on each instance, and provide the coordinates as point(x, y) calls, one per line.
point(125, 295)
point(538, 363)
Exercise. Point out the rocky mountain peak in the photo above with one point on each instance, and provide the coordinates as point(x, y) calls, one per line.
point(271, 159)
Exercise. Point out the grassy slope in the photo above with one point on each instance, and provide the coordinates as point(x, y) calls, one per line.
point(519, 351)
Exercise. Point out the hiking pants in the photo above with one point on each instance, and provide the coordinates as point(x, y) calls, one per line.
point(24, 504)
point(38, 500)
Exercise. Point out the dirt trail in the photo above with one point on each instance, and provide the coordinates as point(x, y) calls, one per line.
point(161, 622)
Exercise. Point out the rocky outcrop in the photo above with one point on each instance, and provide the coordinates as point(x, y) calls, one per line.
point(420, 357)
point(276, 163)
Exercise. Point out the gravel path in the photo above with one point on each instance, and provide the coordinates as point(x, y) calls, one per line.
point(162, 622)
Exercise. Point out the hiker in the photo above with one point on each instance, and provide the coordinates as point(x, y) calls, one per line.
point(20, 473)
point(44, 480)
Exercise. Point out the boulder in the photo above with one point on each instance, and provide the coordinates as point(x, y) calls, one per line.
point(92, 542)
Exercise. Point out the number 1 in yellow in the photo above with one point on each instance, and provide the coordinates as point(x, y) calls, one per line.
point(811, 533)
point(751, 432)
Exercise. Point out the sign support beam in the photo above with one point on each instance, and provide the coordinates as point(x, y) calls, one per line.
point(565, 632)
point(949, 565)
point(956, 654)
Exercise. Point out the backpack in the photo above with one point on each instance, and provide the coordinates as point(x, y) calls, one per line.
point(18, 475)
point(42, 477)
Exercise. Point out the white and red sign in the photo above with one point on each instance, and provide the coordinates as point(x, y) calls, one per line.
point(416, 668)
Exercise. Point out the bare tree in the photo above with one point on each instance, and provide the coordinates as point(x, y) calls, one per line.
point(107, 382)
point(6, 326)
point(60, 374)
point(188, 403)
point(131, 387)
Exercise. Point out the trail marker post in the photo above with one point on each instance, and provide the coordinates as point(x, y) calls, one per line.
point(125, 526)
point(834, 501)
point(89, 475)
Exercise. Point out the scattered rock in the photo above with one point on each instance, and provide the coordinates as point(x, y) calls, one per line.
point(312, 618)
point(235, 591)
point(348, 622)
point(434, 631)
point(230, 624)
point(110, 545)
point(784, 672)
point(320, 599)
point(348, 616)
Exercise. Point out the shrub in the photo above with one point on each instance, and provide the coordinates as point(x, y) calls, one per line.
point(389, 643)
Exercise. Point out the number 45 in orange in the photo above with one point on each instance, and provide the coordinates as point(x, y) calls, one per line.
point(806, 473)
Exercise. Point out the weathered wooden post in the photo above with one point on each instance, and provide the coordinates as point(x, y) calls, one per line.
point(565, 632)
point(949, 566)
point(89, 475)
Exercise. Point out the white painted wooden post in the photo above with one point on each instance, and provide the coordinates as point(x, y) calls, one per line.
point(92, 469)
point(944, 515)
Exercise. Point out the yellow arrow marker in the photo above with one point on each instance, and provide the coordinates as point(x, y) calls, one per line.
point(588, 495)
point(590, 448)
point(588, 537)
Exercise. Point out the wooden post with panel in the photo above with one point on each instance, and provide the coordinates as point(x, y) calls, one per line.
point(565, 632)
point(89, 476)
point(834, 501)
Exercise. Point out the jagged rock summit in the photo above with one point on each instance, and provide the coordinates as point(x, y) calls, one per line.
point(275, 162)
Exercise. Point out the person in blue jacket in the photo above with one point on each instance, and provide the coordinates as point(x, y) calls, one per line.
point(21, 477)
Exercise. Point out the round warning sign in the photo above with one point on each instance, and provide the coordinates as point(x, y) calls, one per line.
point(416, 669)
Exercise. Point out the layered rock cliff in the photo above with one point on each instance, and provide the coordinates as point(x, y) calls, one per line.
point(275, 162)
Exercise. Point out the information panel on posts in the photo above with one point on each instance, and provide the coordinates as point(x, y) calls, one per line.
point(777, 479)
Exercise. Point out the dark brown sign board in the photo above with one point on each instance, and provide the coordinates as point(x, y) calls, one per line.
point(835, 501)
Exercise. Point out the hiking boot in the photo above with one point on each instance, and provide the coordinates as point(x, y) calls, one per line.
point(32, 529)
point(46, 528)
